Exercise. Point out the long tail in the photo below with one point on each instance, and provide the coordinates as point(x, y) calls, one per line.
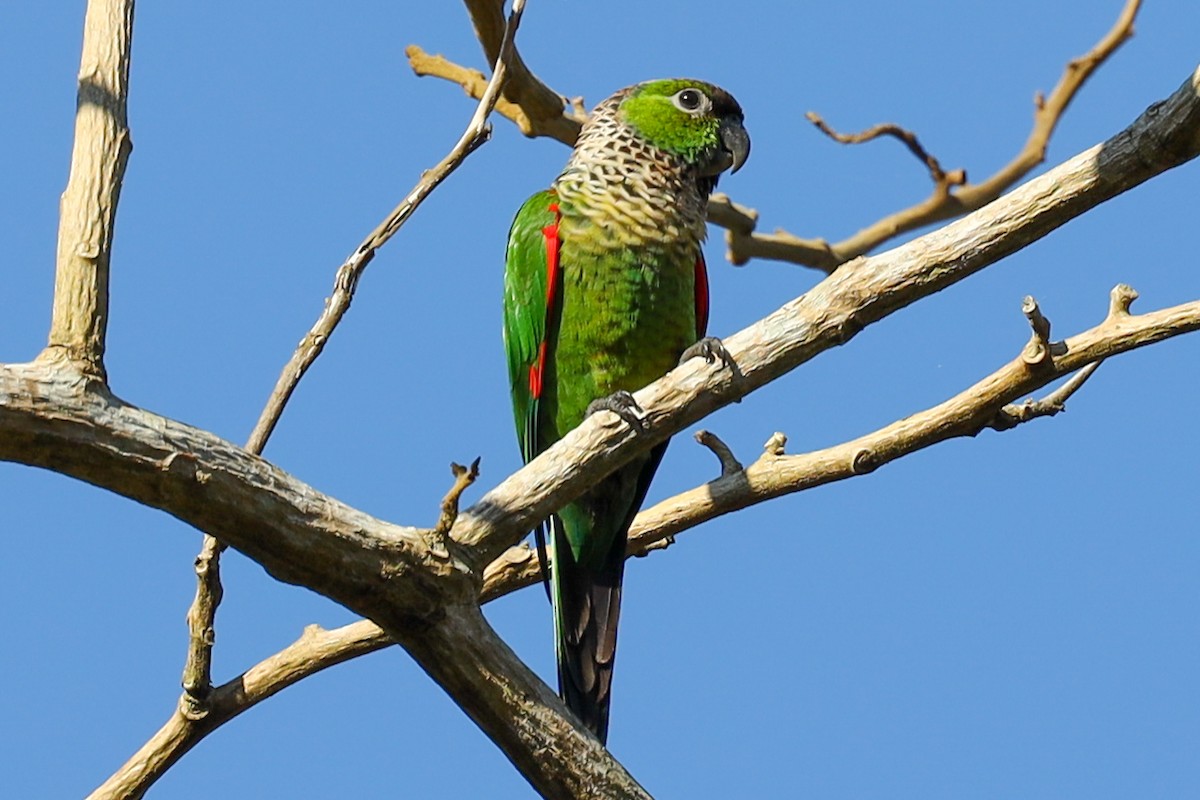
point(587, 605)
point(587, 591)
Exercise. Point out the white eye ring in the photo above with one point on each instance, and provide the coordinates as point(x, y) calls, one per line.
point(693, 101)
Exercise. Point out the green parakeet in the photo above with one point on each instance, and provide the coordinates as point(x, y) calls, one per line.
point(604, 291)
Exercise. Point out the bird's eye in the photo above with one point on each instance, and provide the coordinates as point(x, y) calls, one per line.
point(689, 99)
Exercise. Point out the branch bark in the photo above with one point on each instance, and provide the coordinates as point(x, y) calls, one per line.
point(89, 204)
point(952, 196)
point(305, 537)
point(58, 419)
point(863, 292)
point(197, 674)
point(55, 416)
point(987, 404)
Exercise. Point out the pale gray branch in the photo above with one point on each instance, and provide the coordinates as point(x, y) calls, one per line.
point(862, 292)
point(987, 404)
point(89, 205)
point(56, 417)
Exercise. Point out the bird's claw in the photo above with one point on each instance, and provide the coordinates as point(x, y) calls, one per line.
point(623, 405)
point(710, 349)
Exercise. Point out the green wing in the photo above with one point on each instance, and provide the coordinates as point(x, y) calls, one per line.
point(531, 266)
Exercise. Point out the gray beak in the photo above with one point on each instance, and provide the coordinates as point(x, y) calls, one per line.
point(735, 141)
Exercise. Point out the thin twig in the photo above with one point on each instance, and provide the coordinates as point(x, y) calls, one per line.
point(463, 477)
point(190, 723)
point(942, 180)
point(346, 280)
point(729, 462)
point(1014, 414)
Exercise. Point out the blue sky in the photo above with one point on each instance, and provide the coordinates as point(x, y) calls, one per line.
point(1013, 615)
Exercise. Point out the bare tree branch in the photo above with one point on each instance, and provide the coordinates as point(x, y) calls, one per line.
point(774, 474)
point(952, 196)
point(201, 622)
point(54, 415)
point(517, 710)
point(1167, 134)
point(201, 616)
point(346, 280)
point(942, 180)
point(987, 404)
point(562, 124)
point(89, 204)
point(315, 650)
point(301, 536)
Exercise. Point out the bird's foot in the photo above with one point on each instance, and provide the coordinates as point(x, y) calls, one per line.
point(623, 405)
point(710, 349)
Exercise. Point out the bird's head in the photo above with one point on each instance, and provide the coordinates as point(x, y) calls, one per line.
point(693, 120)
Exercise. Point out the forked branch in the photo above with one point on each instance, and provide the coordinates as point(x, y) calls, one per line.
point(952, 195)
point(302, 536)
point(188, 723)
point(987, 404)
point(774, 474)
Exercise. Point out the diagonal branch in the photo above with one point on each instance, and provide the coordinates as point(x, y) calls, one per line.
point(989, 404)
point(346, 280)
point(772, 475)
point(315, 541)
point(89, 204)
point(834, 311)
point(304, 537)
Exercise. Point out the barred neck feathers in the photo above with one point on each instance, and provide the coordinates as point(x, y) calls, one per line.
point(631, 190)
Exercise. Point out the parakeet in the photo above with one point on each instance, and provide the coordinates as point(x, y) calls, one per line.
point(604, 290)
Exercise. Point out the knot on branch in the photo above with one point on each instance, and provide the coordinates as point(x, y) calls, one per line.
point(657, 544)
point(184, 464)
point(194, 708)
point(865, 461)
point(1120, 299)
point(774, 447)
